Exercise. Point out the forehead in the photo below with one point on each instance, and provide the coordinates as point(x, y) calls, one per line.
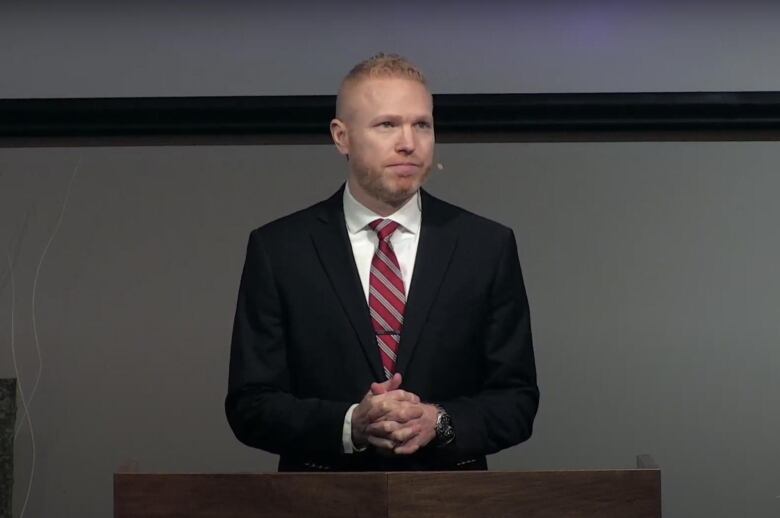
point(394, 95)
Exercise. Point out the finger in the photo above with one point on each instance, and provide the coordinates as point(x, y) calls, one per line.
point(393, 383)
point(424, 436)
point(380, 408)
point(404, 413)
point(387, 386)
point(381, 443)
point(408, 447)
point(383, 429)
point(394, 410)
point(405, 395)
point(401, 395)
point(403, 434)
point(377, 406)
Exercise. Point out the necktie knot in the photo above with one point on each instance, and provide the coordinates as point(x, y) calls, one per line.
point(384, 228)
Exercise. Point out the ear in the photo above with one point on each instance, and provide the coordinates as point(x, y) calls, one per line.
point(338, 131)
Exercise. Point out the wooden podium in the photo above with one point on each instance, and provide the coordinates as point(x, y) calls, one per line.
point(634, 493)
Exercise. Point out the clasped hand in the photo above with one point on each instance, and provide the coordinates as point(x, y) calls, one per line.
point(393, 420)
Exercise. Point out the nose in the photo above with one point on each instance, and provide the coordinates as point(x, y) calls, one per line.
point(405, 142)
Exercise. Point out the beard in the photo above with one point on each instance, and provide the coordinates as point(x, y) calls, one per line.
point(385, 187)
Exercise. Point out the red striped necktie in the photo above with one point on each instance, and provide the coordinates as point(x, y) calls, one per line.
point(386, 295)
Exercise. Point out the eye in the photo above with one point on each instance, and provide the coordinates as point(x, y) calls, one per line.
point(385, 124)
point(424, 125)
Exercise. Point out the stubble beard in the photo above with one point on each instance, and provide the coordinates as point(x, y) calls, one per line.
point(373, 183)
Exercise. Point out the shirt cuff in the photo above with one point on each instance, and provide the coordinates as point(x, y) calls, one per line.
point(346, 433)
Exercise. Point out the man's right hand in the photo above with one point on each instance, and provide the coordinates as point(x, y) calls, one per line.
point(383, 402)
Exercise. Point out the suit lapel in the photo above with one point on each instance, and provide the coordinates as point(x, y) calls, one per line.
point(335, 253)
point(434, 251)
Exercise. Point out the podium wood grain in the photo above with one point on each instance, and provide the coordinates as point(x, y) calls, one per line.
point(537, 494)
point(282, 495)
point(632, 493)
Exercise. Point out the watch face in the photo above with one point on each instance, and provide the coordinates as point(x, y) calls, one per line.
point(445, 432)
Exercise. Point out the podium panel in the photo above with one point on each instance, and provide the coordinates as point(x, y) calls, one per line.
point(634, 493)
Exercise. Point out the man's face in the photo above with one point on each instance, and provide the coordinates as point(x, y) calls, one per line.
point(387, 132)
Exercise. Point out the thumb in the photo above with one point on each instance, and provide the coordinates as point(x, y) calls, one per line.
point(386, 386)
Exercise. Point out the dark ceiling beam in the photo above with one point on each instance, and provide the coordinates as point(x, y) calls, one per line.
point(459, 118)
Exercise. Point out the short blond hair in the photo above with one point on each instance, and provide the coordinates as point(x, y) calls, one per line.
point(378, 66)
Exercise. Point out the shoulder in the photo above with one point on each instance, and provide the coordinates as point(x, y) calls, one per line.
point(297, 224)
point(462, 221)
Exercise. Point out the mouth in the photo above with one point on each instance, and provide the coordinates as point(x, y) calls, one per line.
point(404, 168)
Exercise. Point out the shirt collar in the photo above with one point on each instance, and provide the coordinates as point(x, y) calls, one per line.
point(358, 216)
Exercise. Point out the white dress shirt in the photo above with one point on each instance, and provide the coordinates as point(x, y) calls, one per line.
point(364, 244)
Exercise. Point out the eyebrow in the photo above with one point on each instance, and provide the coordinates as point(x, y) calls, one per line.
point(396, 117)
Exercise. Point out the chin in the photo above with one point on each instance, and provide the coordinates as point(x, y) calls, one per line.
point(407, 184)
point(398, 196)
point(404, 190)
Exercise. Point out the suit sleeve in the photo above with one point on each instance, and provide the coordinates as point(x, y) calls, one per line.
point(502, 413)
point(260, 406)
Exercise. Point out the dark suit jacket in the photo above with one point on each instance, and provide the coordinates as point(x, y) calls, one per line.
point(304, 350)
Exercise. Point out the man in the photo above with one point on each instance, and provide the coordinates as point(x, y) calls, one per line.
point(382, 329)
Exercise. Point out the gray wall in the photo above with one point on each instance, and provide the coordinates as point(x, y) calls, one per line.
point(651, 267)
point(234, 47)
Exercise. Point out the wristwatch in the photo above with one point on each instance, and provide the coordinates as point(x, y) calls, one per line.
point(445, 431)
